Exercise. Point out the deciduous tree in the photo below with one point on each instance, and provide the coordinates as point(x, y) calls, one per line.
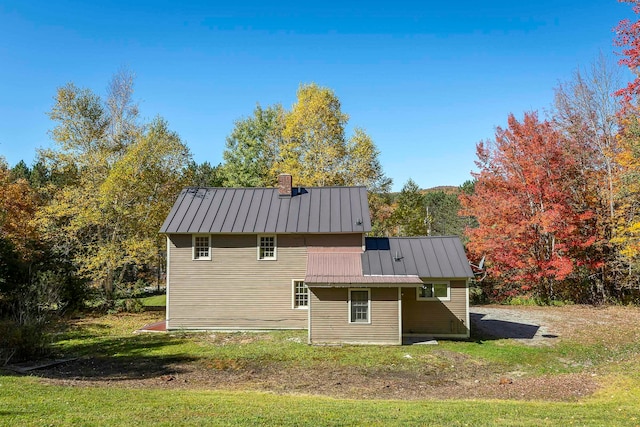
point(533, 223)
point(108, 214)
point(314, 145)
point(252, 147)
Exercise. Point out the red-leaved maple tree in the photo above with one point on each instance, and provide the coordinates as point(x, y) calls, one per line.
point(628, 37)
point(534, 224)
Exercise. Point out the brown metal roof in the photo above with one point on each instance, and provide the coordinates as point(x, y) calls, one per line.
point(262, 210)
point(433, 257)
point(335, 268)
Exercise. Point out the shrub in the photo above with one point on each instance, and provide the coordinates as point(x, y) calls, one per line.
point(19, 342)
point(128, 305)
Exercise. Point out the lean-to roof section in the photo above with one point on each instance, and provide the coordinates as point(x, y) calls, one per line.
point(431, 257)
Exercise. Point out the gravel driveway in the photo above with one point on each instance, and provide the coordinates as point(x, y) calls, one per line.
point(527, 326)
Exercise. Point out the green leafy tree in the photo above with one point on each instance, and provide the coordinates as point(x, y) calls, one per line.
point(410, 216)
point(204, 175)
point(251, 149)
point(309, 142)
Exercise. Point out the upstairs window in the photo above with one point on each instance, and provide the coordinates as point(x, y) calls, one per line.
point(300, 294)
point(433, 291)
point(266, 247)
point(201, 247)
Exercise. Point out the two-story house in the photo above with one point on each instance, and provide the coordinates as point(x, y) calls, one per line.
point(298, 258)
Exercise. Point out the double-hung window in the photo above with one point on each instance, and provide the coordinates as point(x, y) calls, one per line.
point(433, 291)
point(359, 306)
point(267, 247)
point(201, 247)
point(300, 294)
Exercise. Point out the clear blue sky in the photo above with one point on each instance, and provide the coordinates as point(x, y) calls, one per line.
point(427, 80)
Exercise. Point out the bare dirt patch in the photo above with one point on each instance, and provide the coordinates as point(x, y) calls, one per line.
point(445, 375)
point(459, 383)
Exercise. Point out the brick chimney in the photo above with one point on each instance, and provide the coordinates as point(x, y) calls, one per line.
point(285, 184)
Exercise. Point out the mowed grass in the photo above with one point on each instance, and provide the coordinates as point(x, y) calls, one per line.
point(25, 400)
point(154, 301)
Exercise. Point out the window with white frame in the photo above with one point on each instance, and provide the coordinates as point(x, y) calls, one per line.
point(359, 306)
point(266, 247)
point(431, 291)
point(201, 247)
point(300, 294)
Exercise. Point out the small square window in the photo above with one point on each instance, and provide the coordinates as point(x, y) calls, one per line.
point(359, 306)
point(434, 291)
point(300, 294)
point(266, 247)
point(201, 247)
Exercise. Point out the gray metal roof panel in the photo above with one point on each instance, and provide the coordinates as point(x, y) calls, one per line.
point(443, 260)
point(191, 208)
point(254, 207)
point(364, 211)
point(303, 215)
point(265, 207)
point(169, 219)
point(433, 257)
point(433, 268)
point(271, 215)
point(202, 210)
point(261, 210)
point(421, 250)
point(334, 218)
point(314, 212)
point(243, 210)
point(324, 206)
point(232, 210)
point(209, 215)
point(345, 213)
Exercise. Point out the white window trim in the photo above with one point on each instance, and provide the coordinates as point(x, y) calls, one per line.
point(368, 322)
point(193, 247)
point(275, 247)
point(293, 296)
point(435, 282)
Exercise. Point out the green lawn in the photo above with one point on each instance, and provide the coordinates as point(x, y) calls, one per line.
point(613, 359)
point(154, 301)
point(24, 401)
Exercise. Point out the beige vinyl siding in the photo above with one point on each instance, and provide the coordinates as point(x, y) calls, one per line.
point(329, 317)
point(234, 290)
point(436, 317)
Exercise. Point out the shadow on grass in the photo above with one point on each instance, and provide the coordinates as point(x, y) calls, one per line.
point(118, 359)
point(489, 329)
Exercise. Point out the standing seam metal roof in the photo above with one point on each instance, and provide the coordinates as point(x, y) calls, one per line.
point(433, 257)
point(262, 210)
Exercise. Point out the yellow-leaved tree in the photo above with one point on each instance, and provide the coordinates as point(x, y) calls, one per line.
point(314, 146)
point(627, 227)
point(127, 176)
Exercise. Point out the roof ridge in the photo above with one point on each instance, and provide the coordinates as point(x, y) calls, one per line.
point(271, 188)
